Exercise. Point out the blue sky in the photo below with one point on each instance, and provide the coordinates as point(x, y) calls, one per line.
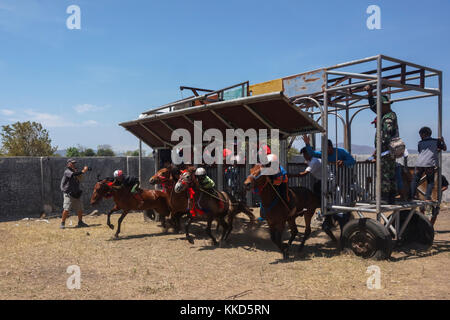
point(130, 56)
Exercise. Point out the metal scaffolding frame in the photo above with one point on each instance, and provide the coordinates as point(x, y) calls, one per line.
point(321, 93)
point(343, 91)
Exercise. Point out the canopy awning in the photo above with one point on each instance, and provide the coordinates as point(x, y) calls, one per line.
point(267, 111)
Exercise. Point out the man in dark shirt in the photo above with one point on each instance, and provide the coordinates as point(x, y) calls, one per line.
point(70, 186)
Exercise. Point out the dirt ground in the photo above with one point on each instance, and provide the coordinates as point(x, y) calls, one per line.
point(148, 264)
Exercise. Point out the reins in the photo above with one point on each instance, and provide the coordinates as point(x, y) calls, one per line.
point(260, 189)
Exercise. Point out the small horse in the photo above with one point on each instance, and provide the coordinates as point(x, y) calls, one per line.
point(126, 202)
point(178, 202)
point(277, 211)
point(219, 206)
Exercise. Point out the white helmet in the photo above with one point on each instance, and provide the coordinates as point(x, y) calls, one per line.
point(118, 173)
point(200, 172)
point(272, 158)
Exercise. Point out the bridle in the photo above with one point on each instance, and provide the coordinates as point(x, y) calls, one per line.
point(166, 183)
point(258, 189)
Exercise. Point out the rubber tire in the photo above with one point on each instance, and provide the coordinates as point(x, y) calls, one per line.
point(383, 240)
point(419, 229)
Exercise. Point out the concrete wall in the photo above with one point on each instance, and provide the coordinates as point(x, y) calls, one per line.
point(30, 186)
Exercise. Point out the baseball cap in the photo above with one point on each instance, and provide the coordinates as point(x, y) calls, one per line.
point(385, 99)
point(71, 161)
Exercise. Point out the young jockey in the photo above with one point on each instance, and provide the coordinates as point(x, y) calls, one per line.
point(280, 181)
point(205, 182)
point(131, 182)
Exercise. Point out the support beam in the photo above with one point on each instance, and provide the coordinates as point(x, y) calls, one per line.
point(155, 135)
point(260, 118)
point(409, 87)
point(167, 126)
point(140, 160)
point(378, 150)
point(221, 119)
point(353, 75)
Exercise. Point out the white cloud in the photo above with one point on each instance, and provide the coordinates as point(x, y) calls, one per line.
point(90, 123)
point(83, 108)
point(7, 112)
point(47, 119)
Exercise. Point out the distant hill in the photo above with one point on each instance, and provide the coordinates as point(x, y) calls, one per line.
point(62, 153)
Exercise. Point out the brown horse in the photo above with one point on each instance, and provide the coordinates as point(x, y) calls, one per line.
point(219, 206)
point(277, 211)
point(178, 202)
point(125, 201)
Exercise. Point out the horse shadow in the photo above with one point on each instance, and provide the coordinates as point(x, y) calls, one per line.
point(89, 226)
point(257, 238)
point(139, 236)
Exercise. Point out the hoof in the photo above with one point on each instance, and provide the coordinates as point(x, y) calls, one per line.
point(111, 226)
point(191, 241)
point(116, 236)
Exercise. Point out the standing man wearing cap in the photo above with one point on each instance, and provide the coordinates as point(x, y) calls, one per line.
point(70, 186)
point(389, 130)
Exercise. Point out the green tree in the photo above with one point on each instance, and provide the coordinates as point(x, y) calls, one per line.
point(293, 152)
point(88, 153)
point(134, 153)
point(105, 151)
point(26, 139)
point(73, 152)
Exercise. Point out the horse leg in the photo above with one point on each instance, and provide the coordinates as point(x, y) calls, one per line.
point(326, 226)
point(108, 220)
point(226, 229)
point(175, 221)
point(119, 223)
point(230, 226)
point(208, 230)
point(276, 237)
point(308, 217)
point(294, 230)
point(188, 224)
point(163, 223)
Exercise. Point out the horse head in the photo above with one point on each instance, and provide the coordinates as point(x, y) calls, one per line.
point(256, 179)
point(186, 180)
point(162, 176)
point(101, 190)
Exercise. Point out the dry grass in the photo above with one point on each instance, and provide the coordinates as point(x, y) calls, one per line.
point(147, 264)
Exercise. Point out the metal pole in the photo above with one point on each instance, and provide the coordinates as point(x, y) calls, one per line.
point(379, 115)
point(140, 160)
point(324, 153)
point(247, 172)
point(347, 133)
point(440, 136)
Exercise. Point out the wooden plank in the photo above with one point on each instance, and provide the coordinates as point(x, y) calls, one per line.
point(267, 87)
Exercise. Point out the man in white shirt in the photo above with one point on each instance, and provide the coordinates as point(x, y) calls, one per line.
point(315, 169)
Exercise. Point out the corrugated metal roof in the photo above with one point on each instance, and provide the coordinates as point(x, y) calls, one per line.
point(268, 111)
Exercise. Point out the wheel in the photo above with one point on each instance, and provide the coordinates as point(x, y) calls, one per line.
point(367, 238)
point(418, 230)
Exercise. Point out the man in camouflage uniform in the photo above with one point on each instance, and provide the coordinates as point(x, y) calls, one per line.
point(389, 130)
